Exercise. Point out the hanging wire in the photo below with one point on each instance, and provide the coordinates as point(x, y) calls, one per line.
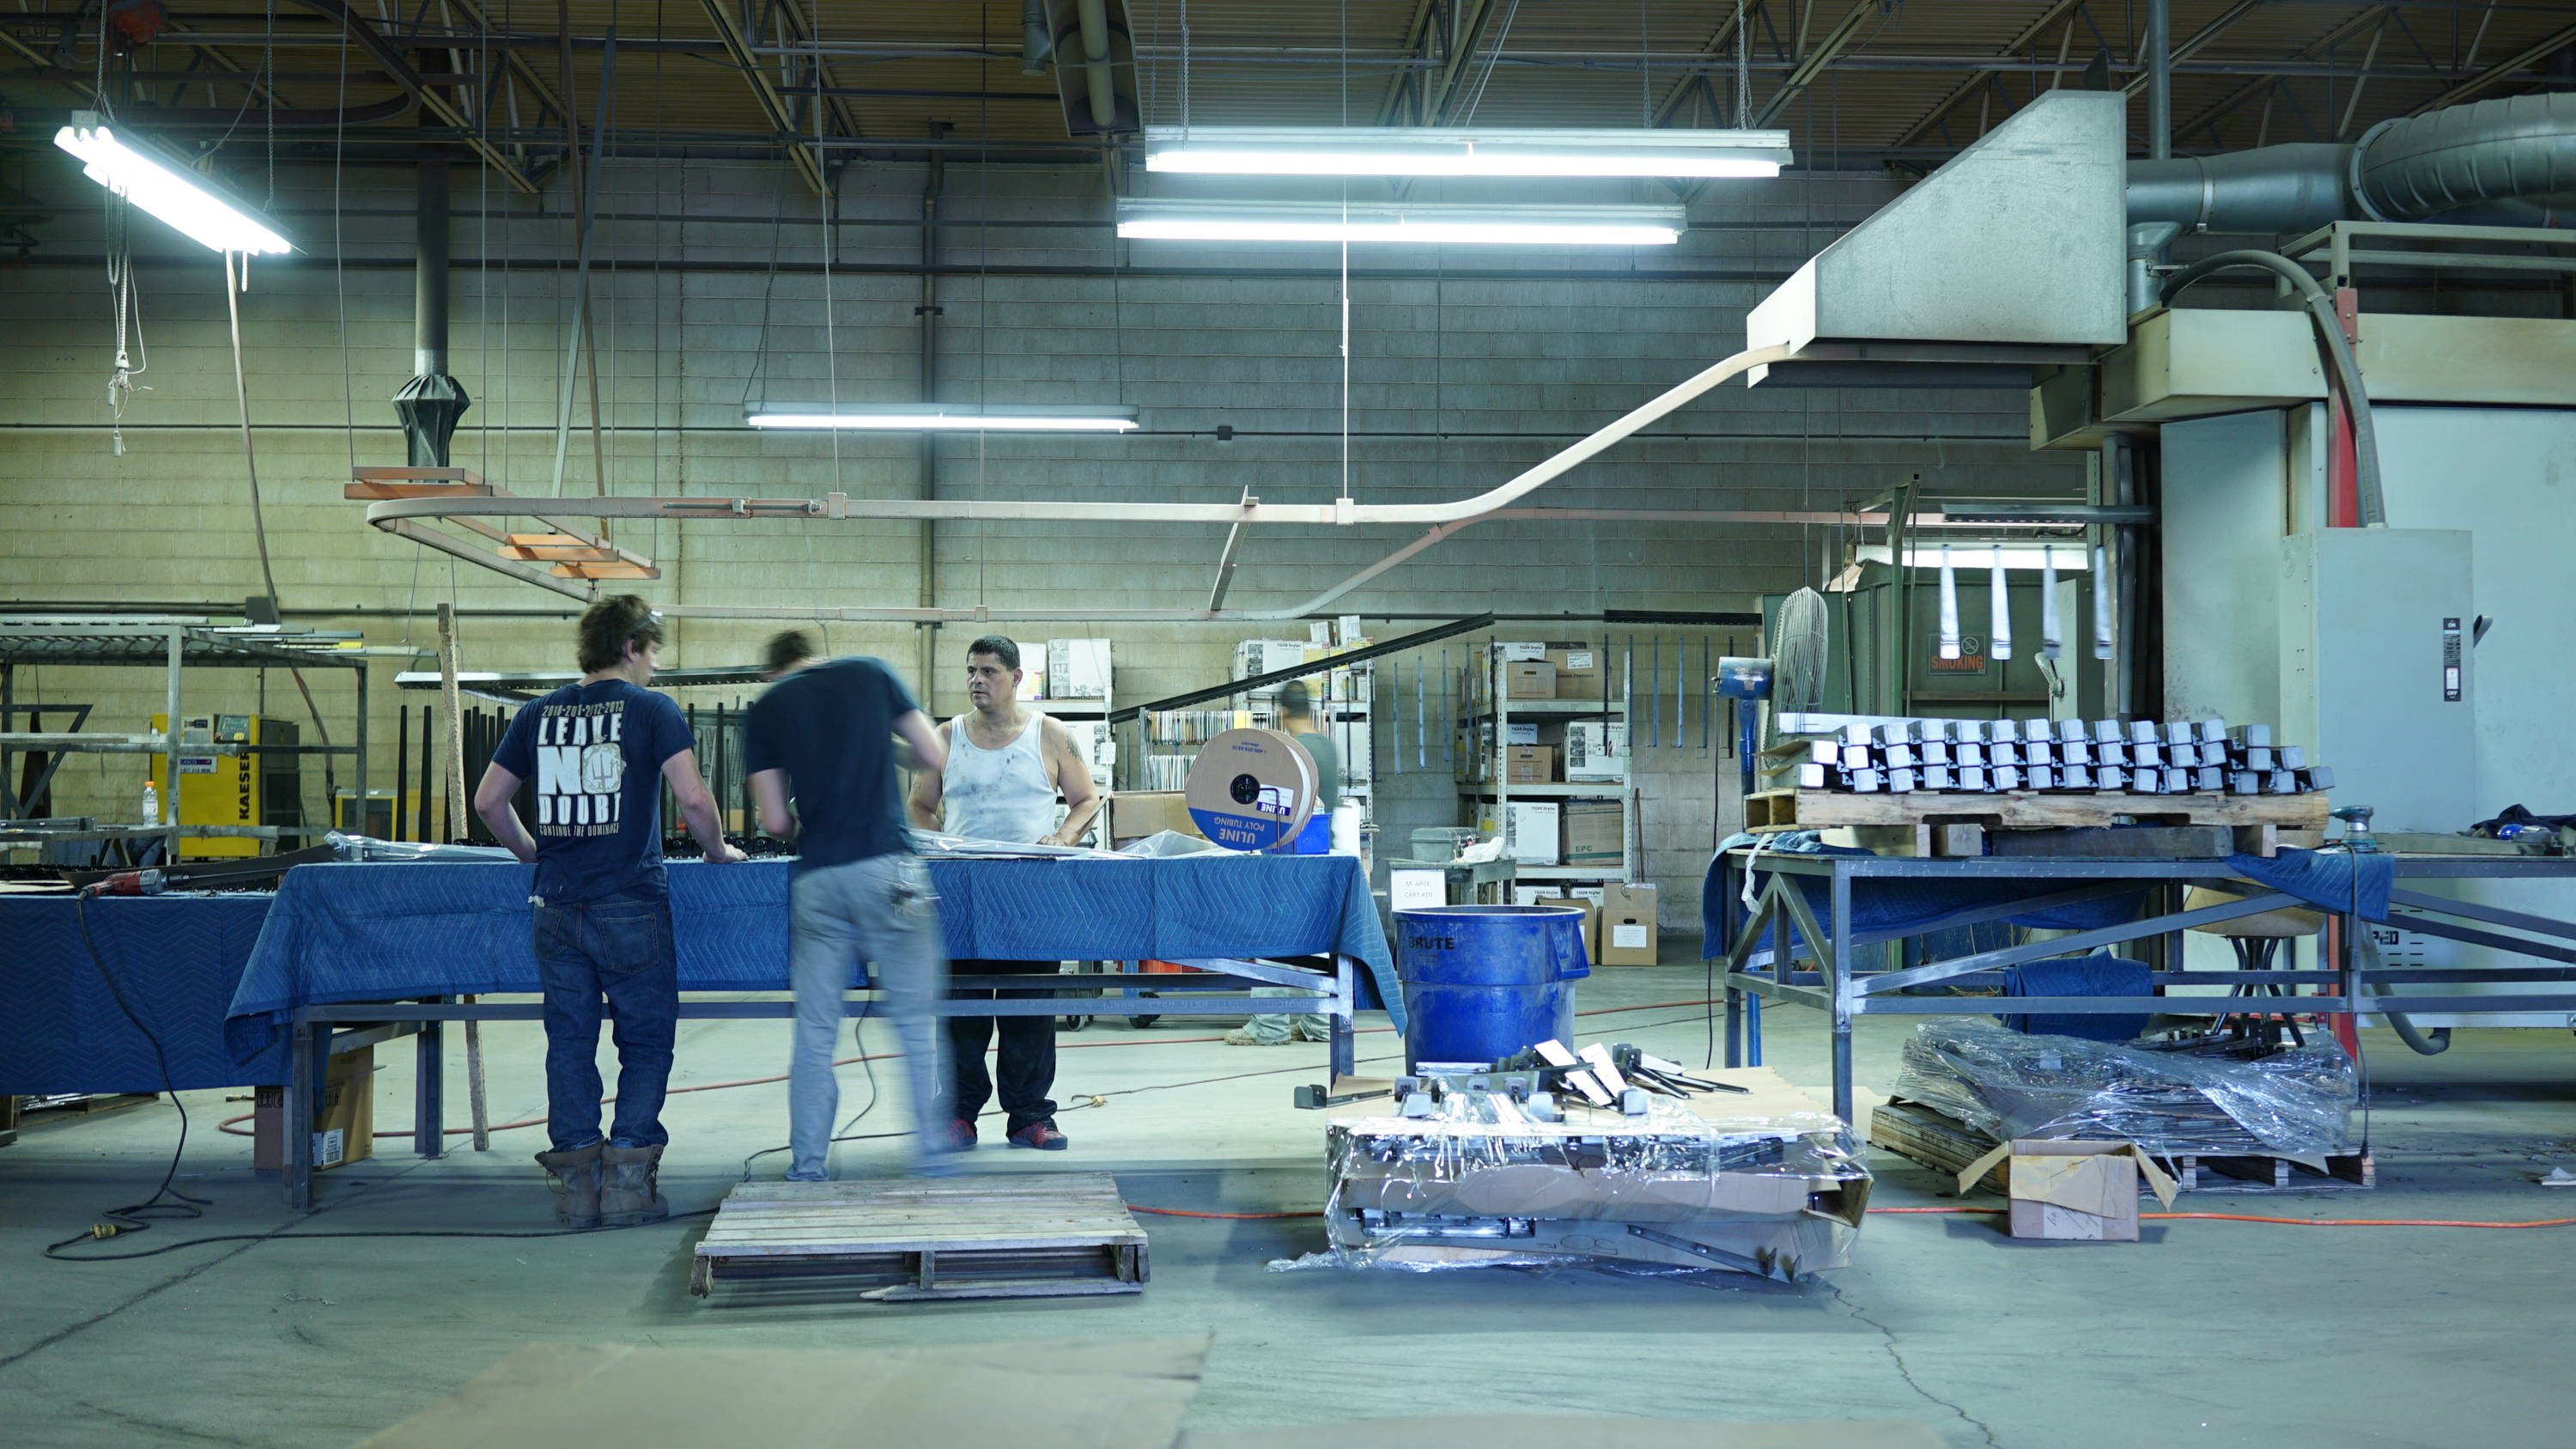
point(1492, 60)
point(339, 258)
point(1744, 69)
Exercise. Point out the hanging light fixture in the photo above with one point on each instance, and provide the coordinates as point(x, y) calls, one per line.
point(163, 185)
point(1614, 226)
point(1441, 151)
point(944, 417)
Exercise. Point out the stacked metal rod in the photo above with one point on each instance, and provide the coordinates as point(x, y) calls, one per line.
point(2100, 757)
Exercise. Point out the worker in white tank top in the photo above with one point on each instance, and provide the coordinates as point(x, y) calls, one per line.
point(1006, 764)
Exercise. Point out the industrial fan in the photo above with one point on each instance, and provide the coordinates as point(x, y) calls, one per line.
point(1791, 677)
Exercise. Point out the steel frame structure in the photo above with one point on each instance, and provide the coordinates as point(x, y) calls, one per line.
point(318, 1032)
point(1837, 987)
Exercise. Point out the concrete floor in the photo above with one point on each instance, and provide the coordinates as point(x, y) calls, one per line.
point(2214, 1333)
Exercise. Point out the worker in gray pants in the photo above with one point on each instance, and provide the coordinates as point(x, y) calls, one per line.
point(829, 733)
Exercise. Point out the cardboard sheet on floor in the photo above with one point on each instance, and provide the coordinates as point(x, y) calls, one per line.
point(1067, 1394)
point(1572, 1431)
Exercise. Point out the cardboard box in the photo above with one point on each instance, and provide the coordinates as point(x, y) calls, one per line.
point(1254, 657)
point(1033, 675)
point(1591, 918)
point(344, 1129)
point(1529, 764)
point(1519, 652)
point(1529, 831)
point(1627, 925)
point(1596, 750)
point(1135, 814)
point(1078, 668)
point(1596, 833)
point(1579, 673)
point(2085, 1191)
point(1517, 732)
point(1529, 680)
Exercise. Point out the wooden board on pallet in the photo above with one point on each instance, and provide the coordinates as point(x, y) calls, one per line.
point(1947, 1145)
point(1038, 1236)
point(2026, 810)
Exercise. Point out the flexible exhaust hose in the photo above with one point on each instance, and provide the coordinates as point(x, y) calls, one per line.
point(2417, 1041)
point(2371, 503)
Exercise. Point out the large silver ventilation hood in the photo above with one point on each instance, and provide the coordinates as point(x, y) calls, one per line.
point(2008, 257)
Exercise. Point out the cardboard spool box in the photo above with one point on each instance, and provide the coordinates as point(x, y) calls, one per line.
point(344, 1128)
point(2083, 1191)
point(1627, 925)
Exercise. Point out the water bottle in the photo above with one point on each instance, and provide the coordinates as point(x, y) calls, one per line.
point(151, 804)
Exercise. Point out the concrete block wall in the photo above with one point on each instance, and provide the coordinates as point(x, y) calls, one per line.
point(1463, 369)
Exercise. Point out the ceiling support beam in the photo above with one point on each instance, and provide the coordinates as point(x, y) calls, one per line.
point(773, 106)
point(2502, 71)
point(1815, 63)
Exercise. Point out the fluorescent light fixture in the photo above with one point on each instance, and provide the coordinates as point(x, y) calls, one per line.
point(1591, 226)
point(2069, 557)
point(946, 417)
point(1437, 151)
point(163, 185)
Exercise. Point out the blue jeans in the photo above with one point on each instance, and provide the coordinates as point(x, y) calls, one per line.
point(618, 948)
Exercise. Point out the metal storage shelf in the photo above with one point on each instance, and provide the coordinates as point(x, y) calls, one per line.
point(169, 642)
point(1491, 785)
point(1575, 790)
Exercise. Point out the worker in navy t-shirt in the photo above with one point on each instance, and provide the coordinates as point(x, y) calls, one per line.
point(599, 753)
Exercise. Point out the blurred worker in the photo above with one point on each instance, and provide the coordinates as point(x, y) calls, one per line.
point(829, 733)
point(600, 752)
point(1006, 764)
point(1297, 717)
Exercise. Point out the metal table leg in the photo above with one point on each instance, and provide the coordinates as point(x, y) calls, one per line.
point(1343, 1058)
point(1839, 927)
point(1731, 929)
point(303, 1088)
point(429, 1089)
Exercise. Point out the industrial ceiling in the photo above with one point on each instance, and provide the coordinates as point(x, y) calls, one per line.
point(826, 83)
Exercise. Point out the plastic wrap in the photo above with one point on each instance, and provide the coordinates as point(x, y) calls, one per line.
point(2009, 1085)
point(368, 847)
point(1163, 844)
point(1775, 1194)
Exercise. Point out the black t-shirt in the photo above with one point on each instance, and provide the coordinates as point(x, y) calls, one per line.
point(830, 727)
point(595, 754)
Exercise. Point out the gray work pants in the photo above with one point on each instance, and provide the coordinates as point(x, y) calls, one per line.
point(880, 910)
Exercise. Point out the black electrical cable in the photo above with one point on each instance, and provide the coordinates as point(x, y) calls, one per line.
point(166, 1202)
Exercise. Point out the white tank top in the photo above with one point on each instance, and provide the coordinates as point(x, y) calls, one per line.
point(1005, 794)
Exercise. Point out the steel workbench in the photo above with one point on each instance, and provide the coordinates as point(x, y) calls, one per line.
point(1836, 984)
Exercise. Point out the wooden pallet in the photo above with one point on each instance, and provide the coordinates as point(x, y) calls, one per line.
point(2257, 820)
point(1947, 1146)
point(1039, 1236)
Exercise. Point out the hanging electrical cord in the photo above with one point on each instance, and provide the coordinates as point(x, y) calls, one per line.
point(166, 1202)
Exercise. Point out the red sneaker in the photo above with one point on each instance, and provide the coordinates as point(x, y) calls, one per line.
point(1042, 1136)
point(961, 1135)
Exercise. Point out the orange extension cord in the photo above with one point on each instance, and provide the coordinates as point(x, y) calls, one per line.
point(229, 1125)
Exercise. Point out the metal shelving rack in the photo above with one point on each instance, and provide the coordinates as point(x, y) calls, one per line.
point(174, 644)
point(1498, 788)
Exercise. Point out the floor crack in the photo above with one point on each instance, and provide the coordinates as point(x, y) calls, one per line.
point(1896, 1355)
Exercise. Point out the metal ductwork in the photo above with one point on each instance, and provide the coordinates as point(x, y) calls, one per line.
point(432, 402)
point(1037, 39)
point(1095, 64)
point(2509, 161)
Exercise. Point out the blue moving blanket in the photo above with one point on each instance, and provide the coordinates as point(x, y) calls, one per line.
point(377, 932)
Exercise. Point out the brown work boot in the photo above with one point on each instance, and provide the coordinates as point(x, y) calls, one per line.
point(627, 1196)
point(576, 1182)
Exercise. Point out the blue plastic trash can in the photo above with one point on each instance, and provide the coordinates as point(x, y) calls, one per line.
point(1484, 982)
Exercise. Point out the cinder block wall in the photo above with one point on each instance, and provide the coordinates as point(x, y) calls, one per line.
point(1456, 382)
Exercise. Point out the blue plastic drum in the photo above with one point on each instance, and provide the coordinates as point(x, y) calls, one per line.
point(1484, 982)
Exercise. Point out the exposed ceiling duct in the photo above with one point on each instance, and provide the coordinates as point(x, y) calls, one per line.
point(2501, 161)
